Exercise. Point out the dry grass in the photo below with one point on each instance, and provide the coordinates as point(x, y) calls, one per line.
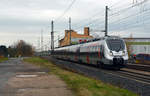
point(3, 59)
point(81, 85)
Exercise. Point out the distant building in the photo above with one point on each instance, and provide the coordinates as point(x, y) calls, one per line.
point(75, 37)
point(139, 45)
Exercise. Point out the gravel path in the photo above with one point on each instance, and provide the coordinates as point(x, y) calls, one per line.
point(22, 79)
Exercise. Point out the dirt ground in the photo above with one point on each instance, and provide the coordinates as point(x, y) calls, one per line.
point(35, 83)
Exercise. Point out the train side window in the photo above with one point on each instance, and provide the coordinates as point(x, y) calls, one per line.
point(84, 49)
point(101, 48)
point(97, 47)
point(93, 48)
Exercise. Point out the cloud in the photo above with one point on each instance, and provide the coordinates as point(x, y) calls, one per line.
point(24, 19)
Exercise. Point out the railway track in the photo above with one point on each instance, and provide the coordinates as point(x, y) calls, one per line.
point(141, 76)
point(134, 75)
point(137, 75)
point(140, 67)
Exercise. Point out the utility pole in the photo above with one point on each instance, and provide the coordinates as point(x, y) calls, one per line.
point(38, 46)
point(41, 39)
point(58, 41)
point(106, 21)
point(52, 36)
point(70, 28)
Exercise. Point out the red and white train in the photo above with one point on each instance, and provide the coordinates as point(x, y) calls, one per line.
point(107, 51)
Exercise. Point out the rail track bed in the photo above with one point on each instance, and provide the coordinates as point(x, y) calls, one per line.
point(141, 67)
point(133, 80)
point(135, 75)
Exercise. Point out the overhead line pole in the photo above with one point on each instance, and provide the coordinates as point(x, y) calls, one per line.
point(106, 21)
point(41, 39)
point(52, 36)
point(58, 41)
point(70, 28)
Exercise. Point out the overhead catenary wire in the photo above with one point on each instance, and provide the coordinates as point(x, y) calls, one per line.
point(134, 25)
point(87, 24)
point(123, 10)
point(93, 21)
point(96, 22)
point(91, 17)
point(128, 17)
point(114, 4)
point(66, 10)
point(130, 6)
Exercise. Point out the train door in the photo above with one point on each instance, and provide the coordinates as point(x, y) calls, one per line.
point(91, 54)
point(88, 55)
point(102, 52)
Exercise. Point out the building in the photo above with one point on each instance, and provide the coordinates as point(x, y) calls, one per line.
point(75, 37)
point(138, 45)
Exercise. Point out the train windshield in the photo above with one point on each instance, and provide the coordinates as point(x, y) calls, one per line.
point(115, 44)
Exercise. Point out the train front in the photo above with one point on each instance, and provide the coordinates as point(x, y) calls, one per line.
point(116, 52)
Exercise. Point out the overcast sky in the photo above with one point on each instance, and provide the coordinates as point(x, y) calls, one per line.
point(24, 19)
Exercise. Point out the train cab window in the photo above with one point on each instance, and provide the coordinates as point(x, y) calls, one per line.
point(115, 44)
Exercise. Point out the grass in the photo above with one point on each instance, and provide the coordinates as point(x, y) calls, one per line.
point(138, 43)
point(3, 59)
point(81, 85)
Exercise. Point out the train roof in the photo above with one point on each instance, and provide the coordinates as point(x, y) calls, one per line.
point(92, 40)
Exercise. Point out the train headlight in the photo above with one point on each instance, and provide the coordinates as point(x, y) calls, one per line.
point(111, 53)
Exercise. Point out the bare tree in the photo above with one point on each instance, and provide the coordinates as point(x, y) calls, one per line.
point(21, 48)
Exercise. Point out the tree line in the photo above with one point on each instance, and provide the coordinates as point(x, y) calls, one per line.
point(20, 48)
